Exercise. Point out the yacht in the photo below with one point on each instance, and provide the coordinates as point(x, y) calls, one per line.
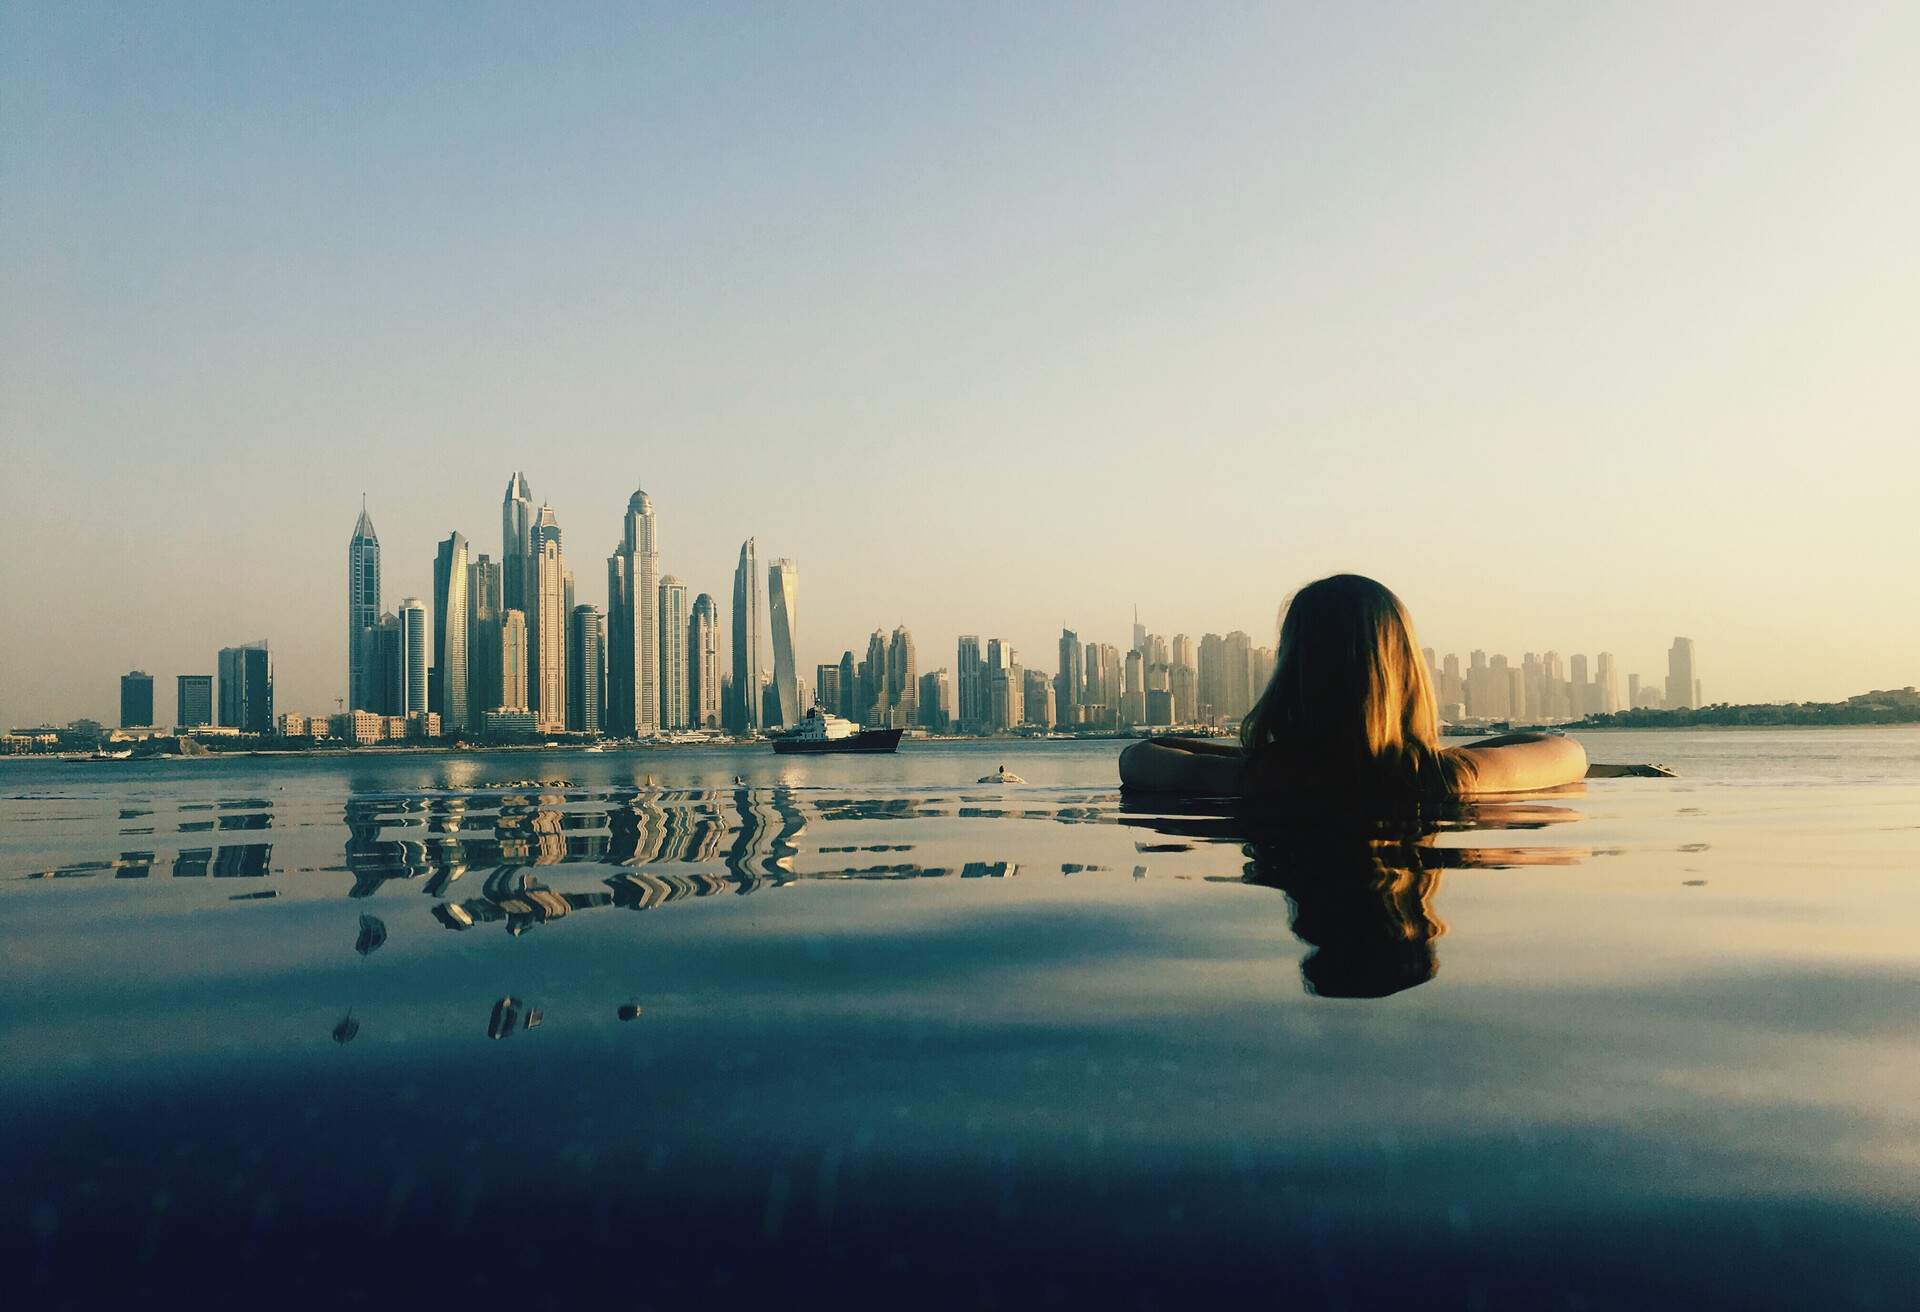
point(821, 732)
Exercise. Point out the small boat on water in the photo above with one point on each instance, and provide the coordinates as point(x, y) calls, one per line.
point(821, 732)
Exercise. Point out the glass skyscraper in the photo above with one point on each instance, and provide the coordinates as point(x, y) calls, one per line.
point(674, 712)
point(749, 658)
point(633, 623)
point(783, 596)
point(246, 687)
point(452, 622)
point(363, 614)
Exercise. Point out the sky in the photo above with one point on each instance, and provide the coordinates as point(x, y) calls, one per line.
point(1580, 326)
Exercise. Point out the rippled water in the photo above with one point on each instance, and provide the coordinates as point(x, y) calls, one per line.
point(537, 1026)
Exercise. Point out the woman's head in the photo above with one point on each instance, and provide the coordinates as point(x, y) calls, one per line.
point(1350, 703)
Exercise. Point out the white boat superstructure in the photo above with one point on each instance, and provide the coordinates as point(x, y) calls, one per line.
point(820, 727)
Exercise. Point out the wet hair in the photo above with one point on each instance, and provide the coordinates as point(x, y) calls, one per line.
point(1349, 713)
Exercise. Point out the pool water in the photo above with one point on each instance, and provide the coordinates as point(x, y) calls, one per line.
point(705, 1028)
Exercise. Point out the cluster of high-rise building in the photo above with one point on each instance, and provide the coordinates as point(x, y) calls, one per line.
point(238, 696)
point(505, 647)
point(1155, 683)
point(1544, 687)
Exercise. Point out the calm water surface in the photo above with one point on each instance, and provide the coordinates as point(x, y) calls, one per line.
point(529, 1028)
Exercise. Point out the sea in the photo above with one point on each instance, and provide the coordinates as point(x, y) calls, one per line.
point(691, 1027)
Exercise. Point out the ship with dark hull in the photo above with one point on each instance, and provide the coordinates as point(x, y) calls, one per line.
point(821, 732)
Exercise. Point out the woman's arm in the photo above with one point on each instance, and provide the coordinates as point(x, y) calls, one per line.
point(1522, 762)
point(1208, 767)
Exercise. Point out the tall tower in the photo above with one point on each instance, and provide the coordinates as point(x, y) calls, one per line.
point(783, 596)
point(416, 644)
point(246, 687)
point(749, 659)
point(1068, 682)
point(363, 612)
point(703, 662)
point(586, 653)
point(970, 679)
point(673, 654)
point(452, 621)
point(1682, 678)
point(633, 619)
point(516, 543)
point(547, 624)
point(903, 679)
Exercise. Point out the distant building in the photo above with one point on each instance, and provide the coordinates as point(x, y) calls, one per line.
point(703, 662)
point(971, 696)
point(516, 544)
point(1069, 683)
point(586, 652)
point(364, 688)
point(416, 643)
point(872, 701)
point(194, 693)
point(935, 705)
point(1038, 705)
point(136, 700)
point(903, 679)
point(634, 624)
point(1683, 682)
point(783, 600)
point(547, 623)
point(826, 684)
point(513, 661)
point(675, 670)
point(356, 727)
point(508, 722)
point(842, 704)
point(449, 686)
point(749, 655)
point(246, 687)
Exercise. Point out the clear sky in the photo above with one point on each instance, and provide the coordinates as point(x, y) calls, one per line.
point(1581, 326)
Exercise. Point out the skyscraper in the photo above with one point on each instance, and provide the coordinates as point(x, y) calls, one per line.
point(936, 701)
point(416, 645)
point(826, 687)
point(193, 700)
point(484, 604)
point(513, 660)
point(246, 687)
point(674, 669)
point(1682, 678)
point(903, 679)
point(516, 543)
point(136, 700)
point(634, 624)
point(749, 659)
point(1070, 682)
point(363, 612)
point(849, 688)
point(783, 598)
point(1606, 683)
point(586, 677)
point(703, 662)
point(547, 624)
point(452, 621)
point(872, 702)
point(970, 685)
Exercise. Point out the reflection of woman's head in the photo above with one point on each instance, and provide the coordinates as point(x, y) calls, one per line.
point(1350, 708)
point(1365, 907)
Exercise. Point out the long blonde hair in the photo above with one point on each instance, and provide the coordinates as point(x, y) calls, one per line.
point(1350, 709)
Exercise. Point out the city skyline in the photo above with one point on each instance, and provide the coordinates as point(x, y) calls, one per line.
point(425, 645)
point(1650, 391)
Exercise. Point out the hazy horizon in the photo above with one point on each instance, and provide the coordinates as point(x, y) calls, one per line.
point(1580, 328)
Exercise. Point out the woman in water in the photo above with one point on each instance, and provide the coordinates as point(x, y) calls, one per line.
point(1349, 718)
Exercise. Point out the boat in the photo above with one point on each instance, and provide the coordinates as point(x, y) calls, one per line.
point(821, 732)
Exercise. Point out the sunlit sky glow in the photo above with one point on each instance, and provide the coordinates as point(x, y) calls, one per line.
point(1581, 326)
